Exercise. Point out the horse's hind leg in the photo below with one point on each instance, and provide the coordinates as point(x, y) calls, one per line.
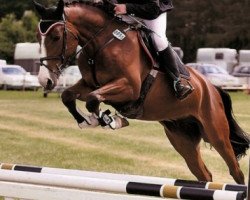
point(189, 148)
point(218, 136)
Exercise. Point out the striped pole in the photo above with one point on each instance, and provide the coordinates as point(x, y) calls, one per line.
point(23, 191)
point(248, 191)
point(131, 178)
point(116, 186)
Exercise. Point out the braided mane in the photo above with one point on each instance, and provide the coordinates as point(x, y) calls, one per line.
point(106, 5)
point(96, 3)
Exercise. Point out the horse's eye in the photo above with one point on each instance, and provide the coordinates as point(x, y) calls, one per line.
point(55, 38)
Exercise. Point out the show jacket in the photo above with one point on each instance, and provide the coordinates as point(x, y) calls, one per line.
point(147, 9)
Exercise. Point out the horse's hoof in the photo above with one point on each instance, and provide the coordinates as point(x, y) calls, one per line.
point(88, 120)
point(124, 122)
point(120, 121)
point(84, 124)
point(94, 121)
point(117, 123)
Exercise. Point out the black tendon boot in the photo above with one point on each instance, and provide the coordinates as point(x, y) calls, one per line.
point(167, 59)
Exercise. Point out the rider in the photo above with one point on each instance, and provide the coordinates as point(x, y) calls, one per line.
point(154, 14)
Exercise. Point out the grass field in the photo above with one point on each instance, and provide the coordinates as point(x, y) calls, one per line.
point(40, 131)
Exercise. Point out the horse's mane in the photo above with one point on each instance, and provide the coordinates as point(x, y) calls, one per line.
point(87, 2)
point(105, 5)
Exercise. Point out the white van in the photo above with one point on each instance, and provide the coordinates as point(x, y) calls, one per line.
point(224, 57)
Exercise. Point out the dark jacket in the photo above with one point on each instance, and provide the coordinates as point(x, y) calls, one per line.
point(147, 9)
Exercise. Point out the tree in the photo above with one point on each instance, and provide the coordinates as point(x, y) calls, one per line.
point(13, 31)
point(14, 6)
point(29, 21)
point(194, 24)
point(20, 6)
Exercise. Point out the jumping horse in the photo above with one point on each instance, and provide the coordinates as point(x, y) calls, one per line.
point(114, 66)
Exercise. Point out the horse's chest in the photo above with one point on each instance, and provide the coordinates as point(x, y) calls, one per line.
point(96, 77)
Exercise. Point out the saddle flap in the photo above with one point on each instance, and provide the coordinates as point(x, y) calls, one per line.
point(146, 44)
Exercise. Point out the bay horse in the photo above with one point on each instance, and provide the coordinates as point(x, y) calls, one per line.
point(114, 66)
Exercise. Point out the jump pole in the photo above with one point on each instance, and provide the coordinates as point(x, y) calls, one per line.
point(248, 190)
point(116, 186)
point(22, 191)
point(126, 177)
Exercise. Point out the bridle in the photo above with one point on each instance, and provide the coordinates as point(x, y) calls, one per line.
point(62, 56)
point(65, 62)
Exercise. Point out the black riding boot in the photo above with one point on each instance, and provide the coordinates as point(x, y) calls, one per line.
point(167, 59)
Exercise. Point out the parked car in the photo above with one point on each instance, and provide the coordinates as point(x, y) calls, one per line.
point(16, 77)
point(218, 76)
point(242, 71)
point(68, 78)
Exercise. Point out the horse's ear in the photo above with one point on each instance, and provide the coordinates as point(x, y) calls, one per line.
point(39, 8)
point(60, 8)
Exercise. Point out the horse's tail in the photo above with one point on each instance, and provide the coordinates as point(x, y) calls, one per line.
point(239, 139)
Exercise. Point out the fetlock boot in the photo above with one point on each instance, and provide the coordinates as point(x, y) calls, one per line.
point(167, 59)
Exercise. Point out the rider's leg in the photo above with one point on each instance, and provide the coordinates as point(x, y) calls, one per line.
point(167, 57)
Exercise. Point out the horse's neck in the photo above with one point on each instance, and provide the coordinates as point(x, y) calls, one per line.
point(90, 20)
point(87, 19)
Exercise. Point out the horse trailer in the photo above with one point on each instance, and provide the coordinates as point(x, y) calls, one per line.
point(3, 62)
point(244, 57)
point(224, 57)
point(27, 55)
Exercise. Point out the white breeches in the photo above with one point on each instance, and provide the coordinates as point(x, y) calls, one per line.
point(158, 25)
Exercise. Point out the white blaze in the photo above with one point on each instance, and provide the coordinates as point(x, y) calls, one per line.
point(44, 74)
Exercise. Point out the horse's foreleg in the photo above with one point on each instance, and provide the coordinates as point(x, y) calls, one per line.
point(69, 96)
point(114, 92)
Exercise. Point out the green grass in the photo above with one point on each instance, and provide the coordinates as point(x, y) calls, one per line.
point(40, 131)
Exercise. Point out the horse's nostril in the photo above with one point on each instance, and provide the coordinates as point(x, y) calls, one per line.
point(49, 82)
point(49, 85)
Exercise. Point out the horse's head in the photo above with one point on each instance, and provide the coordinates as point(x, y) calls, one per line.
point(58, 42)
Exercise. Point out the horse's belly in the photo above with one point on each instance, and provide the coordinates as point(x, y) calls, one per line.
point(161, 103)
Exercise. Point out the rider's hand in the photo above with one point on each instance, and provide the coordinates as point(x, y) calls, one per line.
point(120, 9)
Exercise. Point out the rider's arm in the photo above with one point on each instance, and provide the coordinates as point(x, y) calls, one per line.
point(145, 9)
point(149, 10)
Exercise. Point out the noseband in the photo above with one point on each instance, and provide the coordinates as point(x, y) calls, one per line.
point(61, 57)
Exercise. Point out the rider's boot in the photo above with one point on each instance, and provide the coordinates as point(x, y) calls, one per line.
point(167, 59)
